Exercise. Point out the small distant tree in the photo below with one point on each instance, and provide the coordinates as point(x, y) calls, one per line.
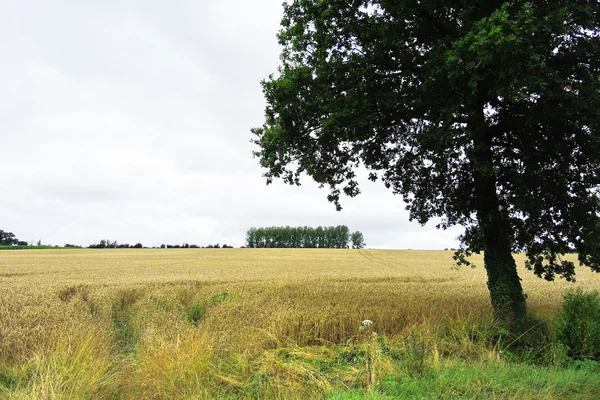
point(7, 238)
point(138, 246)
point(358, 241)
point(251, 241)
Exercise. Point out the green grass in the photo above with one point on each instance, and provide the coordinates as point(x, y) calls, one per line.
point(125, 333)
point(194, 313)
point(466, 380)
point(341, 372)
point(4, 247)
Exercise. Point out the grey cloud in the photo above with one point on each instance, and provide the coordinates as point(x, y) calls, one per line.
point(130, 120)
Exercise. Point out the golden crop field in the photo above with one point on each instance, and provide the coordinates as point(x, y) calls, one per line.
point(232, 323)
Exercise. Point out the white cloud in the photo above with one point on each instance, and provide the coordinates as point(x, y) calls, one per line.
point(129, 120)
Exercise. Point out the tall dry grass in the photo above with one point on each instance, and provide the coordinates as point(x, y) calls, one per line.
point(235, 323)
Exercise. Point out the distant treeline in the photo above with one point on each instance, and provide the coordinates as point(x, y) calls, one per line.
point(328, 237)
point(108, 244)
point(8, 241)
point(194, 246)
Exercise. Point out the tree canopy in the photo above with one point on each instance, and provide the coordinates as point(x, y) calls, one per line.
point(485, 114)
point(9, 239)
point(358, 240)
point(331, 237)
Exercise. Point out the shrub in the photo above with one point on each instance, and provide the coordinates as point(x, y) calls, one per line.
point(415, 355)
point(578, 326)
point(194, 313)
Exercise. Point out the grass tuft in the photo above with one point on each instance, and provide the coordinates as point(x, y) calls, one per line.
point(195, 313)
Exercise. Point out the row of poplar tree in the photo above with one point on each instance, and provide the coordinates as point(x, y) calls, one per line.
point(330, 237)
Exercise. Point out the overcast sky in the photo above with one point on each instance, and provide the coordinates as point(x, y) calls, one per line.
point(130, 120)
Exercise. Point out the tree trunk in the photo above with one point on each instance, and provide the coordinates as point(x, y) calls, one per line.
point(506, 292)
point(504, 284)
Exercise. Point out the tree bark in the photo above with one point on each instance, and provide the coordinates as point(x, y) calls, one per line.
point(504, 284)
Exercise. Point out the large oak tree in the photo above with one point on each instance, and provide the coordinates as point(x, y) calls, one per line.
point(485, 114)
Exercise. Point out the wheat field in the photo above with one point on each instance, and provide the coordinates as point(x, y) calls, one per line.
point(234, 323)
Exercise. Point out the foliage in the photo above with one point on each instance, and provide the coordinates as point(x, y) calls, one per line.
point(194, 313)
point(330, 237)
point(104, 244)
point(107, 244)
point(9, 239)
point(578, 325)
point(485, 114)
point(126, 334)
point(357, 239)
point(415, 353)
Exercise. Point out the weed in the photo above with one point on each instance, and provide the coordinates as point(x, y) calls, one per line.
point(125, 333)
point(578, 326)
point(8, 380)
point(414, 355)
point(195, 313)
point(220, 297)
